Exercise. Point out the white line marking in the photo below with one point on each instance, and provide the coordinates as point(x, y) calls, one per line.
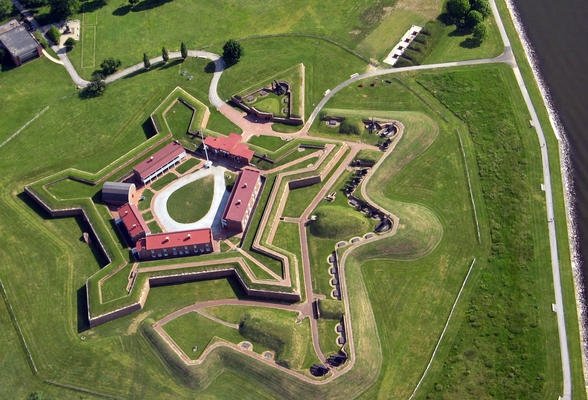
point(443, 332)
point(23, 127)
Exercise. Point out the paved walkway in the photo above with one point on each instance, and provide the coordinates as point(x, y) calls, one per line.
point(160, 199)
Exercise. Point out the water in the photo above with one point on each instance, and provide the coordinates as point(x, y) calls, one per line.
point(558, 32)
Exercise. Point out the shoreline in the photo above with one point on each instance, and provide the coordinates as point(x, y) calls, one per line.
point(567, 180)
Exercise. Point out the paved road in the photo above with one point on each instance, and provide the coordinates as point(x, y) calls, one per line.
point(555, 267)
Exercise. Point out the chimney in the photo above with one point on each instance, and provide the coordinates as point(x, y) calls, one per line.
point(166, 239)
point(238, 202)
point(151, 158)
point(188, 236)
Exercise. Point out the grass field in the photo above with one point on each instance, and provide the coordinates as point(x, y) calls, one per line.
point(179, 117)
point(192, 201)
point(502, 339)
point(270, 143)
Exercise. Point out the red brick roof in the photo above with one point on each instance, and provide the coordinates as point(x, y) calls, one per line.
point(132, 220)
point(169, 240)
point(231, 144)
point(159, 159)
point(241, 194)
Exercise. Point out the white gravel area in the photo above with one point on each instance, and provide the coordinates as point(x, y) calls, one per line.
point(219, 198)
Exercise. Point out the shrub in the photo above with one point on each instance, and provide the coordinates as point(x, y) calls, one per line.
point(53, 34)
point(184, 50)
point(482, 6)
point(479, 33)
point(109, 66)
point(232, 52)
point(41, 39)
point(458, 9)
point(146, 61)
point(70, 43)
point(164, 55)
point(473, 18)
point(6, 8)
point(94, 89)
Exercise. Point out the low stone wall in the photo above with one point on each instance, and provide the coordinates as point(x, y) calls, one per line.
point(303, 182)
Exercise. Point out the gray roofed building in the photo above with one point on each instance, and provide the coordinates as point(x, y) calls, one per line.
point(117, 193)
point(21, 45)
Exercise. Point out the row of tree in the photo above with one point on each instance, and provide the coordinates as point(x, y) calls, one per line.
point(469, 15)
point(232, 52)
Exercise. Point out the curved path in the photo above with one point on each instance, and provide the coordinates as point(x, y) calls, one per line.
point(161, 198)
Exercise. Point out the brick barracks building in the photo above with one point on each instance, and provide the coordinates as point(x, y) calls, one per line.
point(174, 244)
point(242, 200)
point(160, 162)
point(229, 147)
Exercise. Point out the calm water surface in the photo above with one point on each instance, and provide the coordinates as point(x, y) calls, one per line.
point(558, 31)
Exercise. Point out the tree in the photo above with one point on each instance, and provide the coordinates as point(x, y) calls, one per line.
point(184, 50)
point(53, 34)
point(109, 66)
point(473, 18)
point(458, 9)
point(64, 8)
point(70, 43)
point(479, 33)
point(146, 62)
point(232, 52)
point(133, 3)
point(481, 6)
point(164, 54)
point(5, 8)
point(94, 89)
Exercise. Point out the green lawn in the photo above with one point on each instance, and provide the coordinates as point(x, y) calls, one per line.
point(297, 345)
point(271, 103)
point(192, 201)
point(502, 340)
point(193, 332)
point(339, 222)
point(162, 182)
point(178, 118)
point(270, 143)
point(187, 165)
point(146, 202)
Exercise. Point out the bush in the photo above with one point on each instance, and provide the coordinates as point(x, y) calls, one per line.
point(41, 39)
point(479, 33)
point(6, 8)
point(53, 34)
point(109, 66)
point(232, 52)
point(458, 9)
point(349, 128)
point(183, 50)
point(94, 89)
point(70, 43)
point(146, 61)
point(473, 18)
point(481, 6)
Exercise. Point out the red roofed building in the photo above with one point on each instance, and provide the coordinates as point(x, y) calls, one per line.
point(242, 199)
point(130, 217)
point(229, 146)
point(174, 244)
point(160, 162)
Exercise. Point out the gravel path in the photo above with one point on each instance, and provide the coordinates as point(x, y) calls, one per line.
point(160, 199)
